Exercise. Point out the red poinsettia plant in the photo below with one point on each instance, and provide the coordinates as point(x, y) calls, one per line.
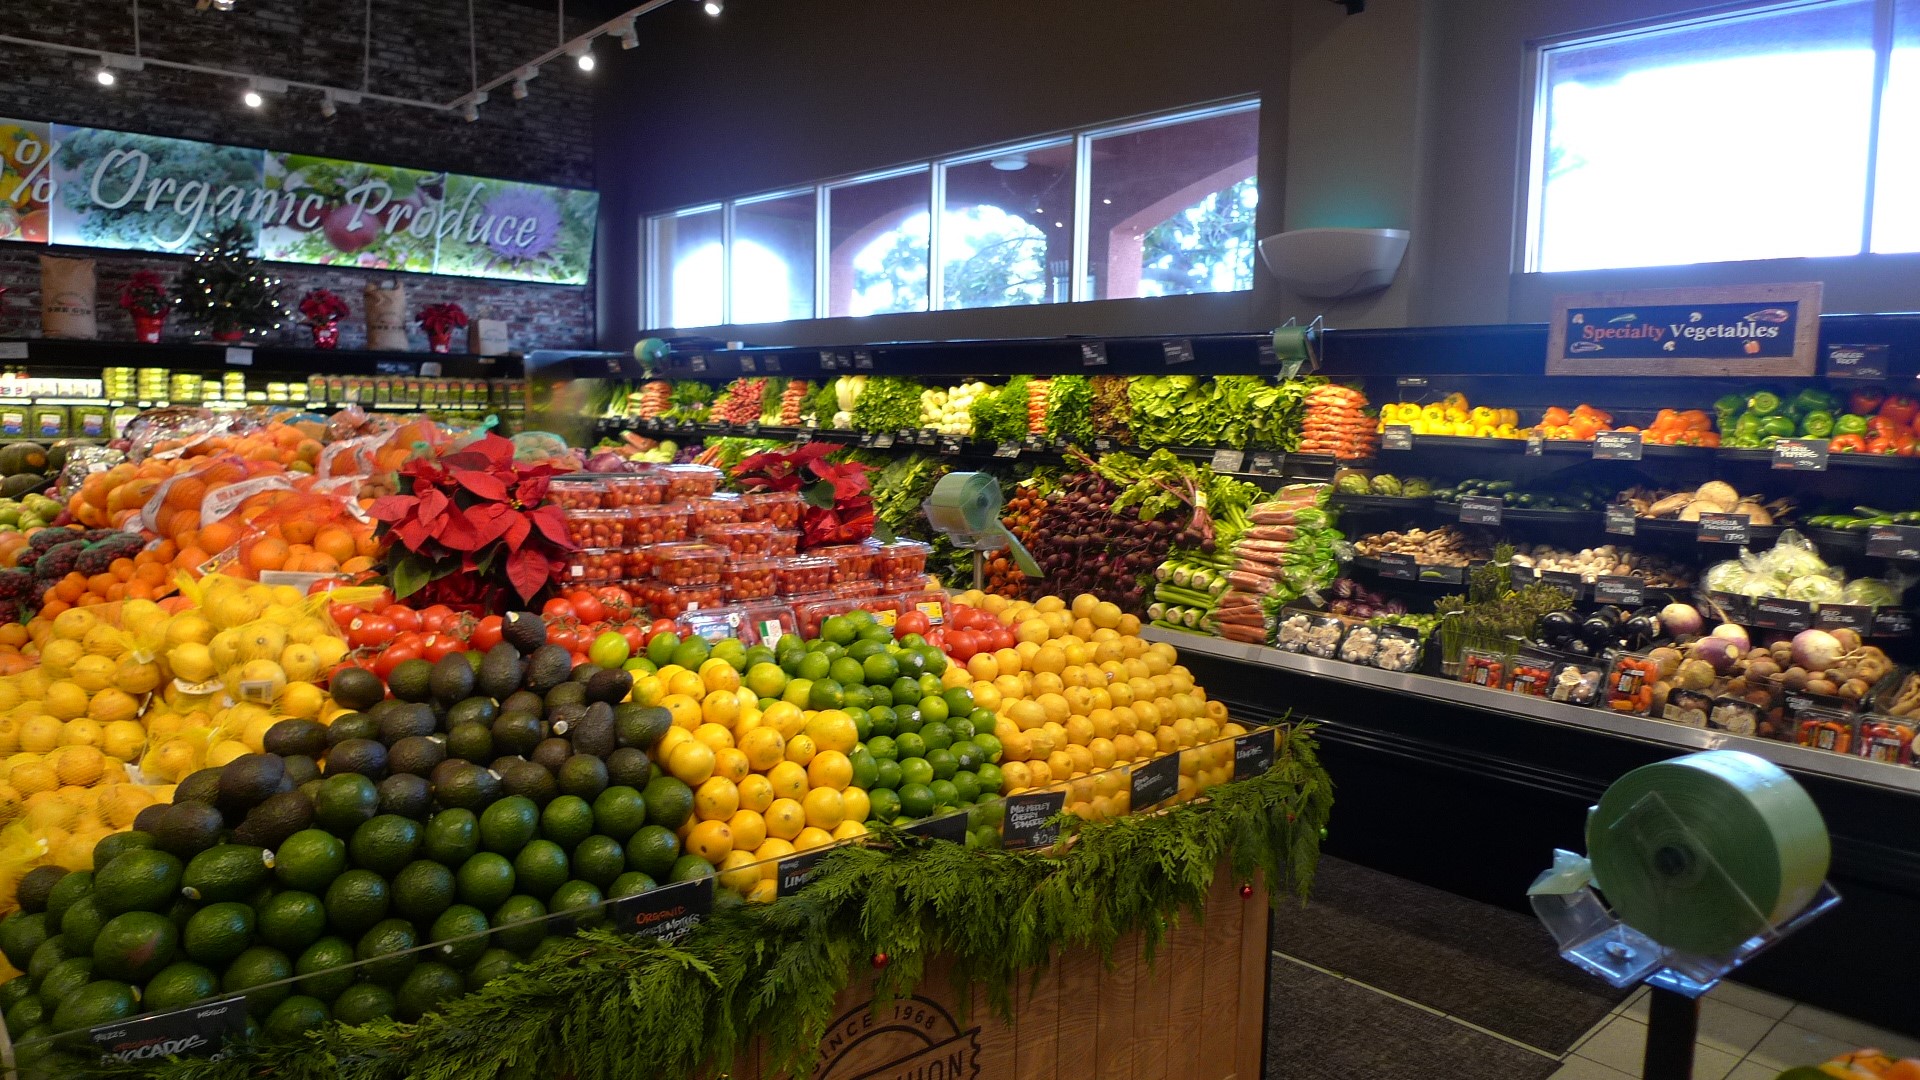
point(474, 511)
point(145, 294)
point(323, 306)
point(442, 318)
point(839, 506)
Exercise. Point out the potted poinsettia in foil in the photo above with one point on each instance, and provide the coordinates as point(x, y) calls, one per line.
point(471, 525)
point(839, 503)
point(145, 297)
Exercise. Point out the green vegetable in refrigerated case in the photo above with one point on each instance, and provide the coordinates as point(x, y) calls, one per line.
point(1001, 414)
point(887, 403)
point(1070, 409)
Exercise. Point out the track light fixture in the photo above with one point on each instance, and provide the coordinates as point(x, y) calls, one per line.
point(104, 76)
point(628, 35)
point(470, 112)
point(520, 80)
point(252, 98)
point(714, 7)
point(327, 107)
point(582, 53)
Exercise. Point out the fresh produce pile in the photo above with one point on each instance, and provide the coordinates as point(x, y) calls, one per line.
point(1453, 415)
point(1448, 545)
point(1867, 1064)
point(1290, 549)
point(739, 403)
point(1690, 427)
point(1714, 496)
point(1551, 495)
point(1793, 569)
point(1111, 411)
point(1606, 560)
point(1875, 422)
point(1349, 597)
point(1864, 517)
point(884, 403)
point(950, 411)
point(1580, 425)
point(1355, 482)
point(1003, 412)
point(1070, 409)
point(1238, 411)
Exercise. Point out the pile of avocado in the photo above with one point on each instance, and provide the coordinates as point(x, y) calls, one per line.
point(483, 793)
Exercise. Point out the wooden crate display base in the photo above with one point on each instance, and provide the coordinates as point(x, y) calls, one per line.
point(1195, 1012)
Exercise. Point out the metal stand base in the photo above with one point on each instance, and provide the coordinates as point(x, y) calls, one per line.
point(1673, 1022)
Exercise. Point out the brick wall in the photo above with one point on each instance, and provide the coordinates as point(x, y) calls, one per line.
point(419, 51)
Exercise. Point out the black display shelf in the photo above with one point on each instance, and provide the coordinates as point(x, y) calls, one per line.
point(50, 356)
point(1525, 515)
point(1390, 503)
point(1885, 462)
point(1672, 527)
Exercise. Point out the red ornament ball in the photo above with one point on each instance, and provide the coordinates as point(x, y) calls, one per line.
point(1246, 892)
point(879, 960)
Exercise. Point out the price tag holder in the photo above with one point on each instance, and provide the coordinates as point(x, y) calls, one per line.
point(1733, 607)
point(1724, 528)
point(1893, 541)
point(239, 356)
point(1103, 445)
point(795, 872)
point(883, 440)
point(1156, 781)
point(829, 360)
point(1033, 444)
point(1093, 354)
point(1396, 437)
point(927, 437)
point(1567, 582)
point(866, 439)
point(1536, 446)
point(949, 444)
point(1228, 461)
point(1800, 455)
point(1480, 510)
point(697, 363)
point(1799, 702)
point(948, 827)
point(1454, 575)
point(1617, 446)
point(1398, 567)
point(1621, 589)
point(199, 1031)
point(1892, 622)
point(1622, 519)
point(1266, 463)
point(667, 913)
point(1522, 576)
point(1864, 362)
point(1253, 753)
point(1779, 613)
point(1008, 449)
point(1026, 821)
point(803, 436)
point(1178, 351)
point(1264, 356)
point(1405, 383)
point(13, 350)
point(772, 364)
point(1855, 617)
point(752, 430)
point(748, 365)
point(862, 360)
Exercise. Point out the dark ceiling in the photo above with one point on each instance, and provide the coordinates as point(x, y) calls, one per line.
point(598, 10)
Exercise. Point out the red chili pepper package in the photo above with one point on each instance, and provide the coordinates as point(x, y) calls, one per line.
point(1887, 738)
point(1824, 729)
point(1483, 668)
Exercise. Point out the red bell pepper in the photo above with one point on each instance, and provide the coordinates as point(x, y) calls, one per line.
point(1847, 444)
point(1865, 400)
point(1882, 444)
point(1900, 408)
point(1883, 425)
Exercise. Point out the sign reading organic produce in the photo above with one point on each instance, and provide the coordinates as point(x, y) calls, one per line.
point(90, 187)
point(1739, 330)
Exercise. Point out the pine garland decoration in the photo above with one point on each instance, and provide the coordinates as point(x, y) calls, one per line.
point(608, 1007)
point(226, 288)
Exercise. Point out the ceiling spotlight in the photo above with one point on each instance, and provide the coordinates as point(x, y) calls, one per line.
point(470, 112)
point(714, 7)
point(223, 5)
point(629, 37)
point(1009, 162)
point(327, 107)
point(104, 77)
point(582, 53)
point(252, 98)
point(520, 80)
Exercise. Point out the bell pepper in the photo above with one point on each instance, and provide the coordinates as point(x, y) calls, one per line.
point(1748, 426)
point(1730, 405)
point(1847, 444)
point(1866, 399)
point(1811, 400)
point(1817, 424)
point(1455, 400)
point(1777, 427)
point(1434, 414)
point(1900, 408)
point(1764, 403)
point(1882, 444)
point(1850, 424)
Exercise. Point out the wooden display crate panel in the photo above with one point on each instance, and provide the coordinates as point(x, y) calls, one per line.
point(1195, 1012)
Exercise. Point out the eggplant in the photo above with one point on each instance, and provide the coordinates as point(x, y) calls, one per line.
point(1579, 648)
point(1641, 631)
point(1598, 632)
point(1556, 628)
point(1610, 615)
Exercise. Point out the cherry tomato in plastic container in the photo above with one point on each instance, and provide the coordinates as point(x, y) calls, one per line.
point(713, 510)
point(900, 560)
point(690, 481)
point(594, 566)
point(742, 537)
point(852, 562)
point(784, 542)
point(578, 492)
point(672, 601)
point(767, 623)
point(635, 489)
point(782, 508)
point(797, 575)
point(748, 579)
point(689, 564)
point(597, 528)
point(655, 524)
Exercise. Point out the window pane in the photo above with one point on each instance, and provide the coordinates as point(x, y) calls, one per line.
point(1896, 214)
point(1006, 231)
point(687, 267)
point(1172, 208)
point(877, 237)
point(1669, 146)
point(773, 259)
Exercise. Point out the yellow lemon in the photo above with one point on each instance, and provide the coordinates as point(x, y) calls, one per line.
point(81, 732)
point(225, 751)
point(731, 764)
point(711, 840)
point(261, 681)
point(302, 699)
point(65, 700)
point(92, 673)
point(749, 830)
point(825, 808)
point(849, 829)
point(110, 705)
point(764, 747)
point(57, 657)
point(74, 624)
point(756, 793)
point(691, 762)
point(306, 630)
point(123, 740)
point(136, 677)
point(829, 769)
point(191, 662)
point(688, 683)
point(300, 662)
point(857, 804)
point(716, 799)
point(738, 873)
point(812, 837)
point(768, 856)
point(831, 729)
point(188, 626)
point(784, 818)
point(789, 780)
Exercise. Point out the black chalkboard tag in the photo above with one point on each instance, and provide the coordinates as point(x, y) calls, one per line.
point(1396, 437)
point(1027, 816)
point(1253, 753)
point(1893, 541)
point(1724, 528)
point(1891, 622)
point(1156, 781)
point(748, 366)
point(862, 360)
point(197, 1031)
point(1779, 613)
point(1855, 617)
point(1480, 510)
point(669, 912)
point(1800, 455)
point(951, 827)
point(1008, 449)
point(1536, 446)
point(1622, 519)
point(1228, 461)
point(1093, 354)
point(1621, 589)
point(795, 871)
point(1567, 582)
point(1398, 567)
point(1865, 362)
point(1617, 446)
point(1178, 351)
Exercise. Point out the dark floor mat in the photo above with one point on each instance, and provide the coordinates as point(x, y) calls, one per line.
point(1492, 967)
point(1321, 1028)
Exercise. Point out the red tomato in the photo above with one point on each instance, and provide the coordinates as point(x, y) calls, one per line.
point(558, 608)
point(487, 633)
point(616, 599)
point(566, 637)
point(1001, 637)
point(369, 631)
point(938, 639)
point(438, 617)
point(324, 585)
point(587, 606)
point(393, 657)
point(962, 644)
point(382, 601)
point(662, 626)
point(345, 613)
point(404, 617)
point(437, 647)
point(636, 636)
point(912, 622)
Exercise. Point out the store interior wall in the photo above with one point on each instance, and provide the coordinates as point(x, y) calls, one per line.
point(418, 50)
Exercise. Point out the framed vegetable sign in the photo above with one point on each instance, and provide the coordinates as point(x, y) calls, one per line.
point(91, 187)
point(1744, 330)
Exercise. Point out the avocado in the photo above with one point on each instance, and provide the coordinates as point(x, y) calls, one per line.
point(274, 820)
point(470, 742)
point(452, 679)
point(201, 786)
point(297, 736)
point(446, 771)
point(583, 775)
point(411, 680)
point(593, 732)
point(363, 756)
point(504, 762)
point(148, 819)
point(566, 694)
point(501, 671)
point(524, 630)
point(353, 725)
point(113, 844)
point(35, 885)
point(639, 726)
point(581, 673)
point(301, 770)
point(226, 872)
point(610, 685)
point(548, 667)
point(470, 787)
point(473, 710)
point(551, 754)
point(406, 722)
point(518, 733)
point(356, 688)
point(523, 701)
point(563, 718)
point(530, 780)
point(407, 795)
point(416, 754)
point(629, 766)
point(249, 780)
point(188, 828)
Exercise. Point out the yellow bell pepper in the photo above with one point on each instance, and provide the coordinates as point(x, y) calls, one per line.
point(1510, 417)
point(1461, 427)
point(1409, 410)
point(1485, 431)
point(1483, 416)
point(1433, 414)
point(1455, 400)
point(1506, 431)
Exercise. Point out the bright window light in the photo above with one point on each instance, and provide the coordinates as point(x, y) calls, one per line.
point(1896, 213)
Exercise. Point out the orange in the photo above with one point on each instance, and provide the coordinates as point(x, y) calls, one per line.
point(711, 840)
point(265, 553)
point(784, 818)
point(334, 542)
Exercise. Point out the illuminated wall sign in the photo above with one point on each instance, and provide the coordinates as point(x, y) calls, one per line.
point(1737, 330)
point(90, 187)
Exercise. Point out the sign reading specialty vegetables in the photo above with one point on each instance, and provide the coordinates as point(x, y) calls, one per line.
point(1743, 330)
point(91, 187)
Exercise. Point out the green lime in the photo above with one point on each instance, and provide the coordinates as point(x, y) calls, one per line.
point(618, 812)
point(422, 890)
point(945, 795)
point(825, 694)
point(385, 843)
point(856, 697)
point(732, 650)
point(362, 1002)
point(452, 836)
point(630, 883)
point(516, 923)
point(882, 695)
point(882, 719)
point(599, 859)
point(669, 801)
point(967, 754)
point(567, 820)
point(134, 946)
point(609, 650)
point(652, 851)
point(943, 763)
point(916, 770)
point(507, 825)
point(865, 769)
point(765, 680)
point(690, 867)
point(959, 701)
point(885, 805)
point(966, 786)
point(912, 664)
point(461, 930)
point(989, 745)
point(309, 860)
point(430, 985)
point(931, 686)
point(292, 920)
point(862, 649)
point(916, 799)
point(961, 727)
point(754, 655)
point(983, 719)
point(846, 670)
point(882, 748)
point(933, 709)
point(907, 720)
point(356, 900)
point(660, 647)
point(910, 745)
point(906, 691)
point(217, 933)
point(177, 985)
point(983, 838)
point(691, 653)
point(989, 777)
point(540, 868)
point(576, 896)
point(935, 732)
point(839, 629)
point(320, 968)
point(886, 774)
point(259, 966)
point(931, 659)
point(388, 944)
point(989, 811)
point(485, 880)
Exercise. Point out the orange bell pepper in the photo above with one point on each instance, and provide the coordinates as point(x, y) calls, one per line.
point(1555, 417)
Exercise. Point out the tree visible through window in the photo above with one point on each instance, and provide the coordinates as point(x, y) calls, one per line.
point(1205, 248)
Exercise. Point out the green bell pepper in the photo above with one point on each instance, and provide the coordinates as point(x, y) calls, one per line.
point(1748, 426)
point(1764, 403)
point(1817, 424)
point(1850, 424)
point(1777, 427)
point(1812, 400)
point(1730, 405)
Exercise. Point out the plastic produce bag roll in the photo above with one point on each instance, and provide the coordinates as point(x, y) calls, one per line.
point(1705, 851)
point(969, 502)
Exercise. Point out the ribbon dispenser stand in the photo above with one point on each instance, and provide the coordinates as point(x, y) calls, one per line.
point(966, 506)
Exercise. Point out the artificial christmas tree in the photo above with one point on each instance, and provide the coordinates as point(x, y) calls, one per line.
point(225, 292)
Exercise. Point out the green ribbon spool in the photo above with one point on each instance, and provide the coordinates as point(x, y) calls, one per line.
point(967, 504)
point(1705, 851)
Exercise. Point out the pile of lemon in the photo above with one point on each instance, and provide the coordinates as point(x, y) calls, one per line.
point(1081, 696)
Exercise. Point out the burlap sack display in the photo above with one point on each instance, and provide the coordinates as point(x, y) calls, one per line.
point(67, 291)
point(387, 318)
point(487, 337)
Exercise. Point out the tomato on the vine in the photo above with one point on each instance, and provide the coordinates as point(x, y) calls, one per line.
point(404, 617)
point(566, 637)
point(558, 608)
point(393, 657)
point(486, 634)
point(438, 617)
point(438, 647)
point(636, 636)
point(380, 602)
point(369, 631)
point(962, 644)
point(342, 614)
point(587, 606)
point(662, 626)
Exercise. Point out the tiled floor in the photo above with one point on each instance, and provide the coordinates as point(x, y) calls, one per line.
point(1744, 1035)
